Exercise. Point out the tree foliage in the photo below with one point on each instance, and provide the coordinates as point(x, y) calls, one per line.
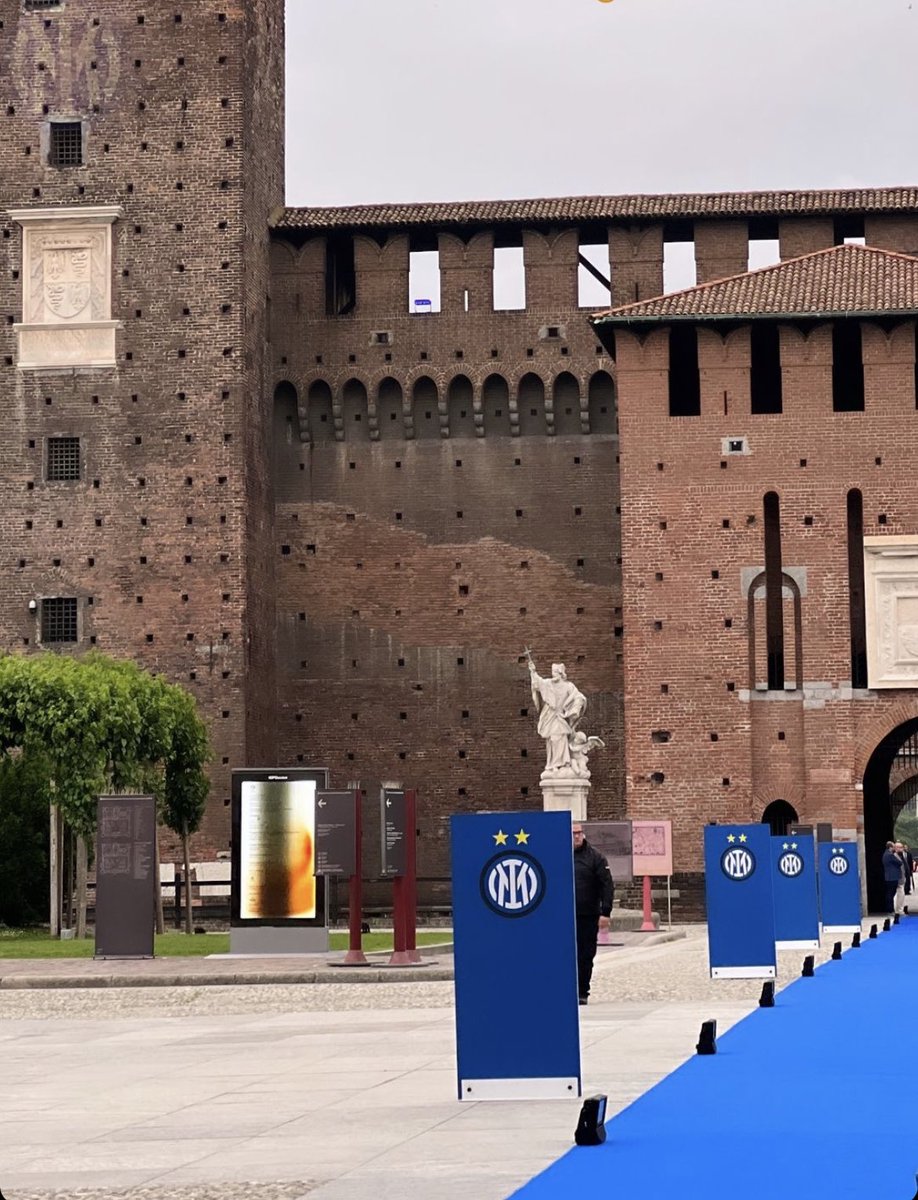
point(102, 725)
point(23, 840)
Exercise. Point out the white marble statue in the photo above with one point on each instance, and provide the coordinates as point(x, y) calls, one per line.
point(581, 745)
point(560, 706)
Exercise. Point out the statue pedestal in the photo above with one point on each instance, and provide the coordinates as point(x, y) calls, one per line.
point(565, 793)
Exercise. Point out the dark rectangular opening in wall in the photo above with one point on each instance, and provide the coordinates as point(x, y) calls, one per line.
point(765, 367)
point(340, 276)
point(59, 619)
point(36, 5)
point(847, 367)
point(594, 288)
point(856, 609)
point(62, 463)
point(848, 229)
point(774, 592)
point(65, 148)
point(679, 266)
point(684, 381)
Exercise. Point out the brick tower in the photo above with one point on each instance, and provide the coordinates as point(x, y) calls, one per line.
point(141, 154)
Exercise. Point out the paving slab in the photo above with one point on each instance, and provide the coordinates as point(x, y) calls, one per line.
point(343, 1092)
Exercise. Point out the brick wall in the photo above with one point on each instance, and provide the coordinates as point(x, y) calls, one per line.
point(155, 538)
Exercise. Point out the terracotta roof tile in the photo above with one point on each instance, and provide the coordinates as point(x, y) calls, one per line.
point(582, 209)
point(842, 280)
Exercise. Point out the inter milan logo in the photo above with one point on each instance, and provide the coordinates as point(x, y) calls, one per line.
point(737, 863)
point(790, 864)
point(838, 864)
point(513, 884)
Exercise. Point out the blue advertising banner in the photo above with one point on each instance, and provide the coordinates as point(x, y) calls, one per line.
point(517, 1015)
point(839, 887)
point(796, 895)
point(739, 896)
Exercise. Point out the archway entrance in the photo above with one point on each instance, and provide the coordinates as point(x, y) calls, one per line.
point(880, 810)
point(780, 816)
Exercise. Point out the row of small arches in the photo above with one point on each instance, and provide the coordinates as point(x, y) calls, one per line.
point(461, 409)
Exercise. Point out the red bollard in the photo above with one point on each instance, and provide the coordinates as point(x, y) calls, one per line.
point(647, 925)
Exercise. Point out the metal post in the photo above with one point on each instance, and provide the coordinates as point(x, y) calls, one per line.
point(355, 956)
point(411, 871)
point(648, 925)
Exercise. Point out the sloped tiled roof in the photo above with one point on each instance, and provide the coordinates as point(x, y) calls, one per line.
point(584, 209)
point(840, 281)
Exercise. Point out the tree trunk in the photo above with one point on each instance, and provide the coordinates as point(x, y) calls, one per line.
point(54, 871)
point(160, 924)
point(66, 877)
point(82, 862)
point(186, 857)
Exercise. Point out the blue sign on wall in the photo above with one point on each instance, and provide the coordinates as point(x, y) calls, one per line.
point(839, 887)
point(517, 1016)
point(796, 896)
point(738, 892)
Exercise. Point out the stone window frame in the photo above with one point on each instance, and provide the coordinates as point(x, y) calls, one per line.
point(890, 574)
point(82, 341)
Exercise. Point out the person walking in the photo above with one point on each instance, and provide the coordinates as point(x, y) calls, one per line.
point(909, 861)
point(892, 874)
point(899, 899)
point(593, 893)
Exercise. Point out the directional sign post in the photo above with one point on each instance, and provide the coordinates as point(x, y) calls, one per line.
point(517, 1035)
point(392, 826)
point(738, 891)
point(793, 862)
point(336, 830)
point(839, 887)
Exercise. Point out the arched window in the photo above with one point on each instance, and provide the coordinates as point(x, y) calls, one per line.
point(531, 406)
point(780, 816)
point(389, 410)
point(603, 417)
point(285, 458)
point(319, 413)
point(495, 401)
point(566, 396)
point(424, 398)
point(355, 412)
point(459, 400)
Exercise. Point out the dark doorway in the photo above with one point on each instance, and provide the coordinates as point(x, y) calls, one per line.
point(879, 816)
point(779, 815)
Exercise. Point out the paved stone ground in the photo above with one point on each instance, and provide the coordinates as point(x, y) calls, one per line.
point(337, 1091)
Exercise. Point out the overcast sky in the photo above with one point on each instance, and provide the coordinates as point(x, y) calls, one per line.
point(409, 100)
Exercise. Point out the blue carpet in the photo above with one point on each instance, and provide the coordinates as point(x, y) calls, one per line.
point(816, 1097)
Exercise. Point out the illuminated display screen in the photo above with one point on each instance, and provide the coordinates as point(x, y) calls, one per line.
point(274, 845)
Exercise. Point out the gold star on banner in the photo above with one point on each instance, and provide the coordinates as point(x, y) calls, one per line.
point(522, 838)
point(500, 838)
point(730, 838)
point(742, 837)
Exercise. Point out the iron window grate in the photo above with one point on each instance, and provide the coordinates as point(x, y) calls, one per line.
point(66, 144)
point(59, 619)
point(32, 5)
point(63, 459)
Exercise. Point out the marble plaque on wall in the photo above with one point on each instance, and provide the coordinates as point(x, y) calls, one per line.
point(891, 601)
point(66, 287)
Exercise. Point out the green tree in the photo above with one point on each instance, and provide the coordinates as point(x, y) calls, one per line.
point(105, 725)
point(23, 840)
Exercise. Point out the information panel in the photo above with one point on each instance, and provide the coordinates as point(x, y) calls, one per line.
point(392, 825)
point(796, 895)
point(125, 876)
point(517, 1019)
point(839, 887)
point(652, 847)
point(612, 839)
point(740, 905)
point(336, 833)
point(274, 845)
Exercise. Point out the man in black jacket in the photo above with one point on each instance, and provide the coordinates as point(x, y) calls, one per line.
point(593, 892)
